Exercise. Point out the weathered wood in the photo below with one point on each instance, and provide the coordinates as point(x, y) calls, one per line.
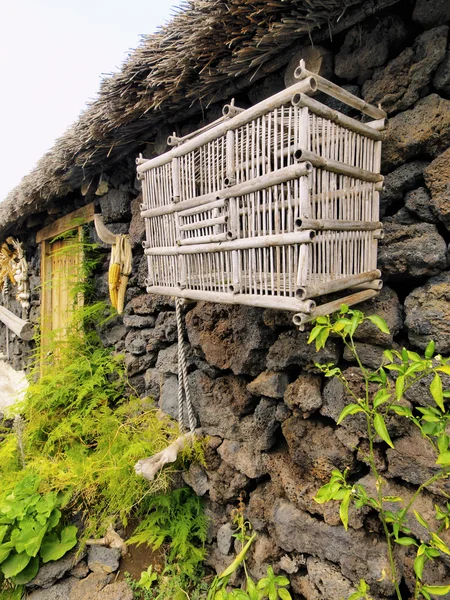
point(23, 329)
point(305, 86)
point(266, 241)
point(83, 215)
point(301, 319)
point(340, 94)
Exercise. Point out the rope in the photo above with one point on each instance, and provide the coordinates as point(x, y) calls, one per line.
point(184, 395)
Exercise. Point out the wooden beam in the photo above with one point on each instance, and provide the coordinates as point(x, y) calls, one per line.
point(23, 329)
point(66, 223)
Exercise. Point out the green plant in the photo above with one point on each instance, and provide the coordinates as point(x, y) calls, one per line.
point(177, 523)
point(30, 530)
point(272, 586)
point(384, 396)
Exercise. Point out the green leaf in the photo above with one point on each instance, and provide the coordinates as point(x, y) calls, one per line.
point(444, 458)
point(5, 550)
point(3, 530)
point(406, 541)
point(14, 564)
point(443, 442)
point(28, 573)
point(321, 339)
point(344, 309)
point(53, 519)
point(437, 590)
point(381, 429)
point(53, 547)
point(350, 409)
point(343, 509)
point(421, 519)
point(419, 563)
point(399, 387)
point(380, 397)
point(436, 392)
point(280, 580)
point(429, 350)
point(380, 323)
point(314, 333)
point(284, 594)
point(402, 411)
point(388, 354)
point(444, 369)
point(30, 537)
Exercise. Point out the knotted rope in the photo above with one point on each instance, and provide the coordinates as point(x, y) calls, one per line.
point(184, 396)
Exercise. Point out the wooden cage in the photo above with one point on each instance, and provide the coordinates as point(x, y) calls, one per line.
point(271, 206)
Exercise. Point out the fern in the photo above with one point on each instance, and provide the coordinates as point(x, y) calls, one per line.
point(178, 520)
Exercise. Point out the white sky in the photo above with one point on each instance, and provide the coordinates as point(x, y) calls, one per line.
point(52, 57)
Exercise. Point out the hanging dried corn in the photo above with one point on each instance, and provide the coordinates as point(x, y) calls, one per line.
point(120, 263)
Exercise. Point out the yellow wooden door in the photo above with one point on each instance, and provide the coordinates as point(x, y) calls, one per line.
point(61, 273)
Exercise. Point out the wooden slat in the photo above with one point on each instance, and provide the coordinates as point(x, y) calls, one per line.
point(70, 221)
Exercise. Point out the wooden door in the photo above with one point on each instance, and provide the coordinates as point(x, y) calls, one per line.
point(61, 272)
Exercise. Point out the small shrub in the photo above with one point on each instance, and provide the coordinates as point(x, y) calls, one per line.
point(406, 368)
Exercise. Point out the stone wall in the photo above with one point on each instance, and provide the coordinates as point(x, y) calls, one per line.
point(270, 418)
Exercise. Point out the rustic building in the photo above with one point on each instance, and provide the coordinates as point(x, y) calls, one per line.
point(270, 416)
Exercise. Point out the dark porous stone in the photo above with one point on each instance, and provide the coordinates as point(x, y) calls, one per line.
point(196, 478)
point(304, 394)
point(54, 570)
point(153, 383)
point(119, 590)
point(282, 412)
point(327, 579)
point(437, 179)
point(368, 46)
point(137, 225)
point(220, 403)
point(166, 327)
point(149, 304)
point(230, 337)
point(137, 364)
point(414, 460)
point(371, 356)
point(441, 79)
point(116, 206)
point(137, 384)
point(403, 217)
point(291, 348)
point(102, 559)
point(226, 484)
point(425, 129)
point(387, 306)
point(114, 335)
point(431, 12)
point(59, 591)
point(243, 457)
point(139, 321)
point(403, 179)
point(427, 310)
point(358, 554)
point(398, 86)
point(137, 340)
point(412, 251)
point(225, 538)
point(268, 383)
point(88, 588)
point(168, 400)
point(419, 203)
point(314, 447)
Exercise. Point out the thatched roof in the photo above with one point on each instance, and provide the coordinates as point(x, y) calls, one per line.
point(209, 50)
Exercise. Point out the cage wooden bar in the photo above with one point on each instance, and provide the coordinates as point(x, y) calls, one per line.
point(273, 206)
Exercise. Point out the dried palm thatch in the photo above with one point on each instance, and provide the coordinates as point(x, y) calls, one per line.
point(209, 50)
